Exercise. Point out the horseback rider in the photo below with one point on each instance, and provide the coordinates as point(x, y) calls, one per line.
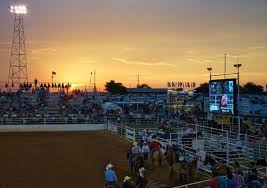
point(144, 138)
point(201, 156)
point(136, 151)
point(145, 150)
point(149, 136)
point(110, 176)
point(155, 146)
point(142, 134)
point(161, 134)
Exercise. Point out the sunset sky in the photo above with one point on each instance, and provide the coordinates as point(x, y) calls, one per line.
point(162, 40)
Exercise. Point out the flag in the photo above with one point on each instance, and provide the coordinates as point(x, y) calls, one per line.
point(54, 73)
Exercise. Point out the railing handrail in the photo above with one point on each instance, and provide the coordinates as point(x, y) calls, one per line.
point(195, 183)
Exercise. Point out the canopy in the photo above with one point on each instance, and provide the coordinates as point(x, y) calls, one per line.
point(110, 106)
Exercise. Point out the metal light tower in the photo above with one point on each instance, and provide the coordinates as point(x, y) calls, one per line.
point(18, 65)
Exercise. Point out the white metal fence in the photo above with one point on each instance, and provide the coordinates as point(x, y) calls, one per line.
point(49, 120)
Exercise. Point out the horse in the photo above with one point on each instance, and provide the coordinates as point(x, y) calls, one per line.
point(210, 161)
point(220, 169)
point(135, 162)
point(156, 157)
point(171, 156)
point(183, 171)
point(153, 184)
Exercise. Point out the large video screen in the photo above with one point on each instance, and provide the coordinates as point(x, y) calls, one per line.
point(222, 96)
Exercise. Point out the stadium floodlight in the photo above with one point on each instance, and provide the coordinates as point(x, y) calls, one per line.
point(237, 65)
point(209, 69)
point(18, 9)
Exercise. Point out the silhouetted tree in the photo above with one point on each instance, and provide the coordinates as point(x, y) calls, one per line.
point(115, 88)
point(144, 85)
point(251, 88)
point(203, 88)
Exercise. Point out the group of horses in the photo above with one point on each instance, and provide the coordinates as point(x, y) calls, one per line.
point(179, 172)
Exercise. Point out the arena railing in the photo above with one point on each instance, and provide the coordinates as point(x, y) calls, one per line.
point(249, 142)
point(195, 183)
point(122, 131)
point(259, 145)
point(50, 120)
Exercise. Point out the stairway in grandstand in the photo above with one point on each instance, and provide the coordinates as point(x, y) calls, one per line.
point(214, 148)
point(53, 105)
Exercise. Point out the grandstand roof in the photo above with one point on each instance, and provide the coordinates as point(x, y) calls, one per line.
point(147, 90)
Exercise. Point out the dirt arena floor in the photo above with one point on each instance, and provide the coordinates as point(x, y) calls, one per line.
point(59, 160)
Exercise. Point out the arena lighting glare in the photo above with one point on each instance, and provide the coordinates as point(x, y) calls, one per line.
point(18, 9)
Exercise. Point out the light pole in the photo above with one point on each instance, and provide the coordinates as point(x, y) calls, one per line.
point(209, 69)
point(238, 65)
point(18, 63)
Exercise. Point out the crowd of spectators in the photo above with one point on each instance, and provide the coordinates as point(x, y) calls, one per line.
point(41, 102)
point(236, 178)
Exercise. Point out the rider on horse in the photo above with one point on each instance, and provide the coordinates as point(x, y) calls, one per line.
point(136, 149)
point(144, 138)
point(161, 134)
point(135, 152)
point(149, 136)
point(145, 150)
point(201, 156)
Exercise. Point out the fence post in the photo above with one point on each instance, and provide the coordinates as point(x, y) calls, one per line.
point(227, 152)
point(134, 135)
point(44, 120)
point(196, 132)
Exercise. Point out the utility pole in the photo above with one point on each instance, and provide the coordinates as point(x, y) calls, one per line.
point(94, 83)
point(225, 66)
point(138, 81)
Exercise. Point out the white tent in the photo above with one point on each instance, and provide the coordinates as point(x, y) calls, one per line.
point(111, 106)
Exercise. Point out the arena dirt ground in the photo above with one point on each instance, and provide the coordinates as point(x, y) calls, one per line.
point(59, 160)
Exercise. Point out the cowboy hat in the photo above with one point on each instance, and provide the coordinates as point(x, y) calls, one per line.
point(109, 166)
point(135, 143)
point(142, 169)
point(126, 178)
point(181, 158)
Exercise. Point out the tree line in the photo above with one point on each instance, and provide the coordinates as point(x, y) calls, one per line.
point(118, 88)
point(114, 87)
point(248, 88)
